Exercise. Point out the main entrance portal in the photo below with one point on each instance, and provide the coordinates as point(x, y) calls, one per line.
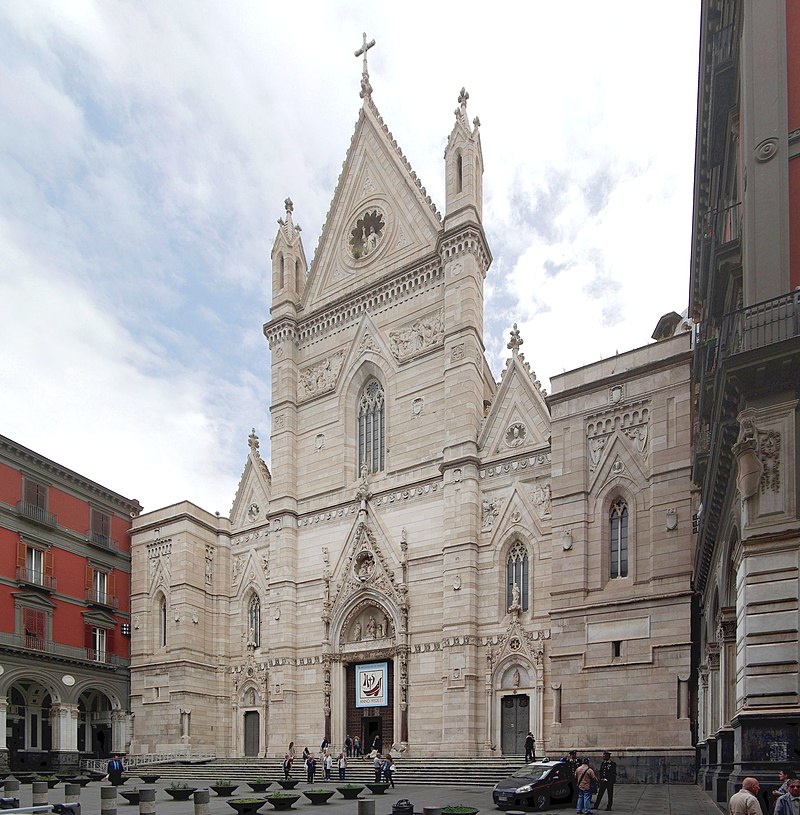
point(514, 723)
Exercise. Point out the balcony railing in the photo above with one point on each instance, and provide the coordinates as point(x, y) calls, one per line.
point(101, 598)
point(36, 577)
point(101, 540)
point(726, 225)
point(36, 513)
point(761, 325)
point(26, 642)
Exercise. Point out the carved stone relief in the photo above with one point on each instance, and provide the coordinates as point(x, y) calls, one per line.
point(321, 377)
point(425, 333)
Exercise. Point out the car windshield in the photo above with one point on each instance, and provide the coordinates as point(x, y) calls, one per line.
point(532, 771)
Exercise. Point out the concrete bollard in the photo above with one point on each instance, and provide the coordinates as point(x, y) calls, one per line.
point(72, 793)
point(11, 785)
point(108, 800)
point(201, 799)
point(366, 807)
point(39, 793)
point(147, 800)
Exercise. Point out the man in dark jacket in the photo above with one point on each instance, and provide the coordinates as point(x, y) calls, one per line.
point(530, 748)
point(607, 777)
point(115, 769)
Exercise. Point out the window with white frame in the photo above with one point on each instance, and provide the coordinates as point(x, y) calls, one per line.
point(618, 522)
point(100, 586)
point(34, 564)
point(99, 638)
point(371, 427)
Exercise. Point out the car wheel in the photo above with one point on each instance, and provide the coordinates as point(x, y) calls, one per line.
point(540, 801)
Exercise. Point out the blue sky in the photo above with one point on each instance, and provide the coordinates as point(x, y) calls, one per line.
point(147, 148)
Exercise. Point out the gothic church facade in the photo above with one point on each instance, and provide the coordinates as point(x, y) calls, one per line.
point(432, 557)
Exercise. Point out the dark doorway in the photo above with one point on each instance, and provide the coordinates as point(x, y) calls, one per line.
point(514, 723)
point(251, 740)
point(372, 727)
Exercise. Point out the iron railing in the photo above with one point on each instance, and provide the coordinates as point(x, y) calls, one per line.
point(101, 598)
point(36, 513)
point(26, 642)
point(99, 539)
point(761, 325)
point(36, 577)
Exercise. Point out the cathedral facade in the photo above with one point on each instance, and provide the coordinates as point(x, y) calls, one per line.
point(432, 557)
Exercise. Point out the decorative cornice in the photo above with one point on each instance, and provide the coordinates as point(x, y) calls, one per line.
point(469, 240)
point(524, 462)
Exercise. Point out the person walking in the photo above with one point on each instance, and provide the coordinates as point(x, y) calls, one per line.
point(607, 774)
point(377, 765)
point(342, 764)
point(585, 776)
point(376, 742)
point(115, 769)
point(530, 748)
point(789, 804)
point(287, 766)
point(745, 802)
point(357, 746)
point(388, 769)
point(348, 746)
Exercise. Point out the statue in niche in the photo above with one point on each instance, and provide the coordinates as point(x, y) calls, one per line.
point(371, 627)
point(514, 598)
point(357, 631)
point(516, 678)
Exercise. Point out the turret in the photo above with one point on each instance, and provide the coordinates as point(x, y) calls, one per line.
point(463, 169)
point(289, 267)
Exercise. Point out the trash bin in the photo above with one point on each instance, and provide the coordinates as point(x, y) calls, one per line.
point(403, 807)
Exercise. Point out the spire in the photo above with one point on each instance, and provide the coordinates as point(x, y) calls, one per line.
point(288, 226)
point(463, 167)
point(366, 88)
point(252, 440)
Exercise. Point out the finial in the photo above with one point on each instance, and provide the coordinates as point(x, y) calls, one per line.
point(366, 88)
point(289, 205)
point(462, 98)
point(252, 440)
point(515, 341)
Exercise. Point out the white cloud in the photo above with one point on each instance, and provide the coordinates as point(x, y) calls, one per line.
point(147, 150)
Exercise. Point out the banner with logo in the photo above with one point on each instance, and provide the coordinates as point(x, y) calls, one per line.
point(372, 684)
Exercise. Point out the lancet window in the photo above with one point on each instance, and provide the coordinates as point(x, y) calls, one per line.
point(371, 427)
point(618, 521)
point(517, 577)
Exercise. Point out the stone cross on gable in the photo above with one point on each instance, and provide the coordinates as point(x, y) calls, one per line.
point(366, 88)
point(515, 341)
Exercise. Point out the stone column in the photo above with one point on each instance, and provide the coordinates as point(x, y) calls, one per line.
point(64, 734)
point(201, 802)
point(39, 793)
point(147, 801)
point(120, 731)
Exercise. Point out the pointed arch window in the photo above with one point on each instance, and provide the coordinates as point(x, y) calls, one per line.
point(459, 173)
point(162, 622)
point(618, 521)
point(517, 576)
point(254, 621)
point(371, 427)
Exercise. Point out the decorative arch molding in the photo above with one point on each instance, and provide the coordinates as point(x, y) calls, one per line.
point(29, 673)
point(355, 615)
point(610, 494)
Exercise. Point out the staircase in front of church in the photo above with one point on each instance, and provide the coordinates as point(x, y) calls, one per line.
point(482, 771)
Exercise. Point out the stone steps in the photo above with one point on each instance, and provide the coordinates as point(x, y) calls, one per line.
point(435, 770)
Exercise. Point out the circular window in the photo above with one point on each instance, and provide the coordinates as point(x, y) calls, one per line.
point(367, 233)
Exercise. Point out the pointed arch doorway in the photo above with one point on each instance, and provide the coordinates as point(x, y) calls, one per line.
point(251, 733)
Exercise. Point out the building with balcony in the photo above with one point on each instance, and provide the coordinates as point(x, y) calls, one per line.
point(64, 614)
point(745, 300)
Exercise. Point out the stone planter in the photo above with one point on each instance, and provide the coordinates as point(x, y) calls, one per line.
point(131, 796)
point(149, 779)
point(83, 780)
point(288, 783)
point(259, 786)
point(246, 806)
point(318, 796)
point(377, 789)
point(283, 801)
point(224, 790)
point(180, 793)
point(459, 810)
point(351, 791)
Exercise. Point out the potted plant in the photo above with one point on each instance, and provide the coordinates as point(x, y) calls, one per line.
point(131, 796)
point(224, 787)
point(459, 809)
point(259, 784)
point(288, 783)
point(350, 791)
point(318, 796)
point(246, 806)
point(180, 792)
point(283, 800)
point(149, 779)
point(377, 787)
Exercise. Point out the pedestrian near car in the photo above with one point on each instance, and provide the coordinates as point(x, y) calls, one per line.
point(607, 777)
point(572, 763)
point(530, 748)
point(745, 802)
point(789, 804)
point(585, 777)
point(342, 765)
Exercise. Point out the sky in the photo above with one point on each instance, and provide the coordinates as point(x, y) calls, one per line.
point(146, 149)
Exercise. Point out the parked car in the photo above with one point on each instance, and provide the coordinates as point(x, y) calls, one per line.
point(535, 786)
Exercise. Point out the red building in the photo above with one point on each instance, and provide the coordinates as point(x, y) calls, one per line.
point(64, 614)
